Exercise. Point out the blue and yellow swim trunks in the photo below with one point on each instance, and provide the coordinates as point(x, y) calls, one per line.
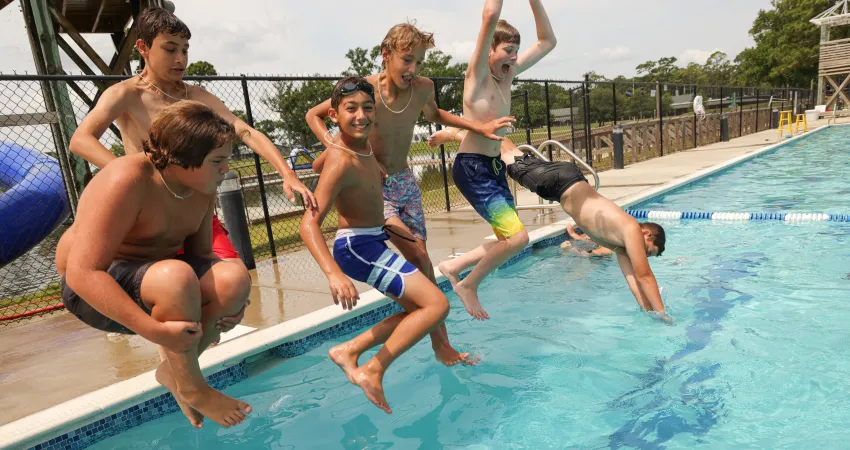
point(482, 181)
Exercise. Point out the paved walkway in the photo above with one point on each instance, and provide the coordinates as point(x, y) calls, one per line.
point(52, 360)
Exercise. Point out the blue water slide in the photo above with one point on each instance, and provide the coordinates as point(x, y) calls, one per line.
point(34, 201)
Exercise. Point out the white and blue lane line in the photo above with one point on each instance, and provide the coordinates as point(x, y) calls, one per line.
point(737, 216)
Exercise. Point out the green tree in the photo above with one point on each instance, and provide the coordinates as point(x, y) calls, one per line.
point(362, 62)
point(439, 65)
point(200, 68)
point(291, 101)
point(787, 44)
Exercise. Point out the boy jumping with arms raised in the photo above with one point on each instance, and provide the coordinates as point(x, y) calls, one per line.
point(478, 172)
point(602, 221)
point(401, 98)
point(351, 179)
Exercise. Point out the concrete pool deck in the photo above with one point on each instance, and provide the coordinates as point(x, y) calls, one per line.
point(51, 360)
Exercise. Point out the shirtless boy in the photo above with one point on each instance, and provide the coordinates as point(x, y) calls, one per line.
point(401, 97)
point(119, 267)
point(603, 222)
point(478, 172)
point(352, 180)
point(164, 44)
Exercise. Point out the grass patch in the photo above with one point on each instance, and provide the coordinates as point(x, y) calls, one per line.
point(45, 294)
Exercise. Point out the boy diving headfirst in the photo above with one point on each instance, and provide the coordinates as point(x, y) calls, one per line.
point(601, 219)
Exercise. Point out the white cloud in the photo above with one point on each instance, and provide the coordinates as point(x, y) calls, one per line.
point(461, 51)
point(618, 53)
point(696, 55)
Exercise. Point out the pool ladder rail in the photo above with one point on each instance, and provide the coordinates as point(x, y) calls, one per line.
point(538, 152)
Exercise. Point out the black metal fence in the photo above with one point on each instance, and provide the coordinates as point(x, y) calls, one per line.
point(40, 113)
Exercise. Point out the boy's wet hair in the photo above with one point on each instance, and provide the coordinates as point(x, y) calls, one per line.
point(340, 92)
point(505, 34)
point(184, 134)
point(404, 37)
point(156, 21)
point(657, 233)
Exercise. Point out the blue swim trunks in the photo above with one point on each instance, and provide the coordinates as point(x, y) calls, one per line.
point(363, 255)
point(482, 181)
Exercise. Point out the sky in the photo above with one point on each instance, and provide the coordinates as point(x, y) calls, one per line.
point(297, 37)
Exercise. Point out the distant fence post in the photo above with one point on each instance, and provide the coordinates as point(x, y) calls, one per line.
point(614, 92)
point(659, 106)
point(586, 102)
point(443, 167)
point(548, 116)
point(758, 99)
point(527, 119)
point(741, 112)
point(572, 122)
point(250, 116)
point(695, 119)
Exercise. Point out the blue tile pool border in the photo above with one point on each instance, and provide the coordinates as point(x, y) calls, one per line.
point(164, 404)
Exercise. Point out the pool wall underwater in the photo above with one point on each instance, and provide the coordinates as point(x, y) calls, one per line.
point(93, 417)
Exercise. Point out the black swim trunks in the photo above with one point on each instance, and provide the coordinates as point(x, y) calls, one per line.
point(129, 275)
point(549, 180)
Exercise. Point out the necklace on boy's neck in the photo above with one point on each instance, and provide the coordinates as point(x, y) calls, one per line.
point(157, 89)
point(179, 197)
point(346, 149)
point(381, 94)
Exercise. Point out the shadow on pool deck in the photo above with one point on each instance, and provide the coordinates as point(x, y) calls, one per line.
point(53, 359)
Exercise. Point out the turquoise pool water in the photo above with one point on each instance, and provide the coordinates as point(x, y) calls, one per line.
point(805, 176)
point(757, 357)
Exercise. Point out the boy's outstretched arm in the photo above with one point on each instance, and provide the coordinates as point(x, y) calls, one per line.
point(85, 141)
point(263, 146)
point(635, 266)
point(434, 114)
point(478, 65)
point(331, 182)
point(546, 40)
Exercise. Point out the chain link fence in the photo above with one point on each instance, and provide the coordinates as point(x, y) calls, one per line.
point(39, 114)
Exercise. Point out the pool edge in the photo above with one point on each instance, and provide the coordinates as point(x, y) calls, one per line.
point(95, 416)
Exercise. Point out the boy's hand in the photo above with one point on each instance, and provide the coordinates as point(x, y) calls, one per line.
point(294, 184)
point(343, 291)
point(226, 324)
point(490, 128)
point(177, 336)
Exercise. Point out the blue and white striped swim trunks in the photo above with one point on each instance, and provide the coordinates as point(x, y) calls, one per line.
point(363, 255)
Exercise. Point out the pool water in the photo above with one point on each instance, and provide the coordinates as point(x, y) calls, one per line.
point(757, 357)
point(804, 176)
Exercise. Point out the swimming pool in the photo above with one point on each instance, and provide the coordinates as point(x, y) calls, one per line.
point(757, 357)
point(808, 175)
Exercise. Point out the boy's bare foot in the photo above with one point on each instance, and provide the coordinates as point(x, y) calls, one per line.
point(163, 376)
point(447, 355)
point(345, 359)
point(372, 385)
point(219, 408)
point(469, 297)
point(441, 137)
point(450, 272)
